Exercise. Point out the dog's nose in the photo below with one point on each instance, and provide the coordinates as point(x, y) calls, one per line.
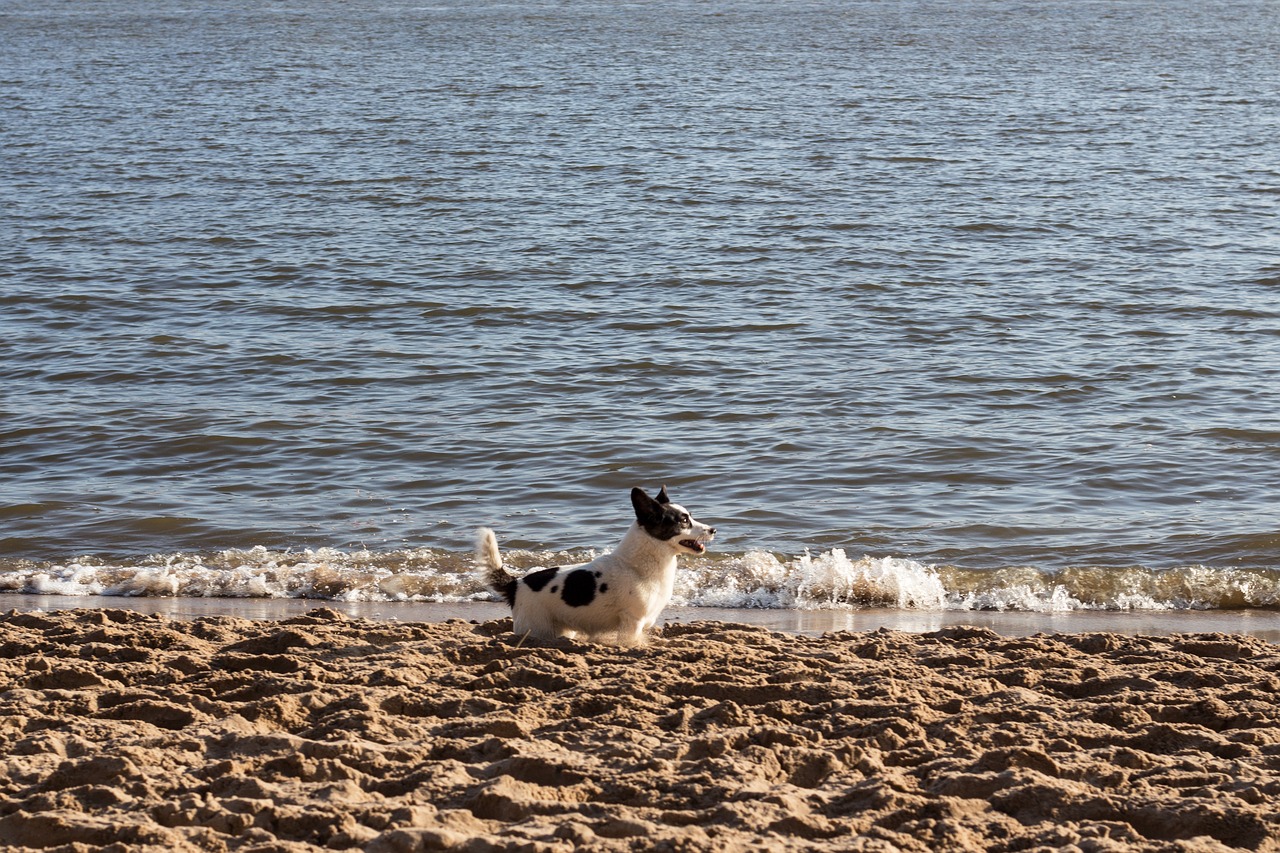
point(712, 531)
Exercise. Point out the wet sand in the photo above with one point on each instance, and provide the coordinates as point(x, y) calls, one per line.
point(129, 731)
point(1264, 624)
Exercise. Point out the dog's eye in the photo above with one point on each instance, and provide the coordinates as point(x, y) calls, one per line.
point(686, 521)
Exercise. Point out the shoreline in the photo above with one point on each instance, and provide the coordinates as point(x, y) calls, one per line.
point(1262, 624)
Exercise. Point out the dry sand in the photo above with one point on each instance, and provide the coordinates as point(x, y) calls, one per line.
point(136, 732)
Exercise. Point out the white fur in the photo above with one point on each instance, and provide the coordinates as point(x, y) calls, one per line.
point(633, 584)
point(487, 553)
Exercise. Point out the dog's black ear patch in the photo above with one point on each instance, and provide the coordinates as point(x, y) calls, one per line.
point(664, 524)
point(579, 588)
point(537, 580)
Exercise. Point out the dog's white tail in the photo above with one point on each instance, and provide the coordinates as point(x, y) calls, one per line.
point(490, 559)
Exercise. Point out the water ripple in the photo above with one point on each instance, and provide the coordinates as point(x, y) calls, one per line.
point(981, 287)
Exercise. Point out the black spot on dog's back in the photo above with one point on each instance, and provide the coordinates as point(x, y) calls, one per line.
point(509, 593)
point(537, 580)
point(604, 587)
point(579, 588)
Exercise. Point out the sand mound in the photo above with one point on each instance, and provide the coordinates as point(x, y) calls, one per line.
point(134, 732)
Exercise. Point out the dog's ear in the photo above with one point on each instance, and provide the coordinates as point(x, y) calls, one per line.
point(646, 507)
point(662, 496)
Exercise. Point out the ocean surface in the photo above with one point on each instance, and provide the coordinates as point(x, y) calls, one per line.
point(931, 306)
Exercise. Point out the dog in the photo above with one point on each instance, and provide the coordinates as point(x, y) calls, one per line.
point(620, 594)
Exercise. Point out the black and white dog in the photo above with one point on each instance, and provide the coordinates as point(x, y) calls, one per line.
point(620, 594)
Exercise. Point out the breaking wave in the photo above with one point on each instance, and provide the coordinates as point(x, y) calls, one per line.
point(756, 579)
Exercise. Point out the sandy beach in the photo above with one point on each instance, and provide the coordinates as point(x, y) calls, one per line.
point(130, 731)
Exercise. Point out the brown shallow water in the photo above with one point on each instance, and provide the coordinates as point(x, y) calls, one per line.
point(1264, 624)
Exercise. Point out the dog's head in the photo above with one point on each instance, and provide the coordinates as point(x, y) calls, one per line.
point(670, 523)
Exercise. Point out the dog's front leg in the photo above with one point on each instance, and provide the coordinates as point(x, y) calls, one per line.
point(631, 632)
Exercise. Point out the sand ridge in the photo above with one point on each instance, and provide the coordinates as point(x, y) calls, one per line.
point(124, 731)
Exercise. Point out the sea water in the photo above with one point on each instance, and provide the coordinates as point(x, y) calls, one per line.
point(928, 306)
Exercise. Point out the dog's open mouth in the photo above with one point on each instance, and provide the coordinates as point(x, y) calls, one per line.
point(693, 545)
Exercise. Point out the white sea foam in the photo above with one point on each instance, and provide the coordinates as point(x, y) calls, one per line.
point(1056, 599)
point(755, 579)
point(761, 579)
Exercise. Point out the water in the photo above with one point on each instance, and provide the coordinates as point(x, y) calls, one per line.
point(964, 305)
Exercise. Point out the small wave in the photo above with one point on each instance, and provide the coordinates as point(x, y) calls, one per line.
point(835, 581)
point(416, 575)
point(830, 580)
